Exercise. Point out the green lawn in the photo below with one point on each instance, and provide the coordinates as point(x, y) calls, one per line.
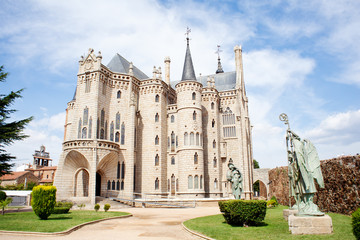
point(275, 227)
point(28, 221)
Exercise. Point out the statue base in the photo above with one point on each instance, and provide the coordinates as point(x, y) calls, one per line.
point(310, 225)
point(288, 212)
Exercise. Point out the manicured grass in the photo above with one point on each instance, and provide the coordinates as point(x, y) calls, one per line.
point(275, 227)
point(29, 222)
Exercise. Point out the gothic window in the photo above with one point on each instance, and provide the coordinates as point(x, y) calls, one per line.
point(214, 144)
point(102, 118)
point(122, 133)
point(196, 182)
point(118, 185)
point(172, 118)
point(123, 170)
point(117, 137)
point(84, 132)
point(196, 158)
point(186, 140)
point(157, 140)
point(177, 141)
point(212, 106)
point(117, 121)
point(108, 185)
point(113, 185)
point(122, 185)
point(213, 123)
point(79, 129)
point(197, 139)
point(156, 117)
point(157, 160)
point(156, 183)
point(215, 162)
point(102, 134)
point(201, 182)
point(157, 97)
point(87, 86)
point(172, 160)
point(193, 96)
point(215, 183)
point(106, 130)
point(98, 128)
point(90, 126)
point(194, 115)
point(85, 116)
point(172, 140)
point(192, 139)
point(118, 95)
point(112, 131)
point(228, 118)
point(118, 171)
point(104, 88)
point(229, 131)
point(190, 182)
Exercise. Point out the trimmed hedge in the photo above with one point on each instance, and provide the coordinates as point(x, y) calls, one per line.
point(106, 207)
point(43, 200)
point(60, 210)
point(97, 207)
point(243, 212)
point(356, 223)
point(64, 204)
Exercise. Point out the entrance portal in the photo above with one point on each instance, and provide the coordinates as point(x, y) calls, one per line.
point(98, 184)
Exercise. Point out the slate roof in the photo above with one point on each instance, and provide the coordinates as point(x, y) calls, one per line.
point(223, 81)
point(120, 65)
point(188, 70)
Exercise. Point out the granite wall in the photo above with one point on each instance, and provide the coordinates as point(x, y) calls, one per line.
point(342, 185)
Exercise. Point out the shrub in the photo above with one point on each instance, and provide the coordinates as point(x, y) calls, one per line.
point(274, 199)
point(81, 205)
point(97, 207)
point(2, 195)
point(60, 210)
point(271, 203)
point(43, 200)
point(64, 204)
point(243, 212)
point(356, 223)
point(106, 207)
point(31, 185)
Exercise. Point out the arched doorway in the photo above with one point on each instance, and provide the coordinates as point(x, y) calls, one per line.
point(260, 189)
point(98, 184)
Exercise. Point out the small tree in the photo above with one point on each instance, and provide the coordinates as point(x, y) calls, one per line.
point(43, 200)
point(4, 203)
point(97, 207)
point(106, 207)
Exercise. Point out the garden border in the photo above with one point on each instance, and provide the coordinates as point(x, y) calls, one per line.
point(195, 233)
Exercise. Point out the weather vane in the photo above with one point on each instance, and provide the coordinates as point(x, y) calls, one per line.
point(284, 118)
point(218, 50)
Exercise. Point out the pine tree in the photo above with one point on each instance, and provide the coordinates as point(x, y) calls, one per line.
point(9, 131)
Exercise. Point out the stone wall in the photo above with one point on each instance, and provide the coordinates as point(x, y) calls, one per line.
point(342, 186)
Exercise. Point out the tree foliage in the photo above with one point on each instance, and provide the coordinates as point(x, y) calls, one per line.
point(256, 164)
point(43, 200)
point(9, 131)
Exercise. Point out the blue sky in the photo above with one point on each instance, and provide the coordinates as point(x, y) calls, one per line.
point(300, 57)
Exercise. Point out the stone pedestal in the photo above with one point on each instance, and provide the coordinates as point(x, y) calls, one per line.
point(310, 225)
point(288, 212)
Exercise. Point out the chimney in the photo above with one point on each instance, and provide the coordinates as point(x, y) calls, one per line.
point(167, 70)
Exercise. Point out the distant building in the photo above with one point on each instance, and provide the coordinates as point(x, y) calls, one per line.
point(16, 178)
point(127, 134)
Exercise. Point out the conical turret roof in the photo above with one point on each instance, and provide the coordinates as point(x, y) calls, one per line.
point(188, 71)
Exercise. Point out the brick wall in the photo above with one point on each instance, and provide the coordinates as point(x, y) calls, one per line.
point(342, 186)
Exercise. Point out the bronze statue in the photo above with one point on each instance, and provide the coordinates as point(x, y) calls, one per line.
point(234, 176)
point(304, 168)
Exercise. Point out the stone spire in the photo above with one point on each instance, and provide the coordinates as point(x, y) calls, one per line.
point(188, 71)
point(219, 70)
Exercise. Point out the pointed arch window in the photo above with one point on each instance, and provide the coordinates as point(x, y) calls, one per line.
point(79, 128)
point(172, 118)
point(156, 117)
point(98, 128)
point(108, 185)
point(201, 181)
point(157, 98)
point(215, 162)
point(156, 183)
point(106, 130)
point(177, 143)
point(213, 123)
point(102, 118)
point(85, 116)
point(117, 121)
point(197, 139)
point(118, 95)
point(112, 131)
point(157, 140)
point(186, 139)
point(118, 185)
point(215, 183)
point(117, 137)
point(214, 144)
point(84, 132)
point(113, 185)
point(102, 134)
point(193, 96)
point(157, 160)
point(192, 136)
point(172, 141)
point(212, 106)
point(118, 171)
point(190, 182)
point(196, 158)
point(172, 160)
point(122, 170)
point(90, 126)
point(122, 133)
point(194, 115)
point(196, 182)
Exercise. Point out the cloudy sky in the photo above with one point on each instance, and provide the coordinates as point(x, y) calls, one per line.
point(300, 57)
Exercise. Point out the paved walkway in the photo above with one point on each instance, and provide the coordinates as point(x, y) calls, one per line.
point(146, 223)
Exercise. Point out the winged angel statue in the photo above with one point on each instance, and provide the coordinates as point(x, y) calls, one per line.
point(304, 168)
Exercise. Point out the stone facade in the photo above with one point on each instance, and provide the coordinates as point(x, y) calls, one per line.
point(342, 188)
point(130, 135)
point(16, 178)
